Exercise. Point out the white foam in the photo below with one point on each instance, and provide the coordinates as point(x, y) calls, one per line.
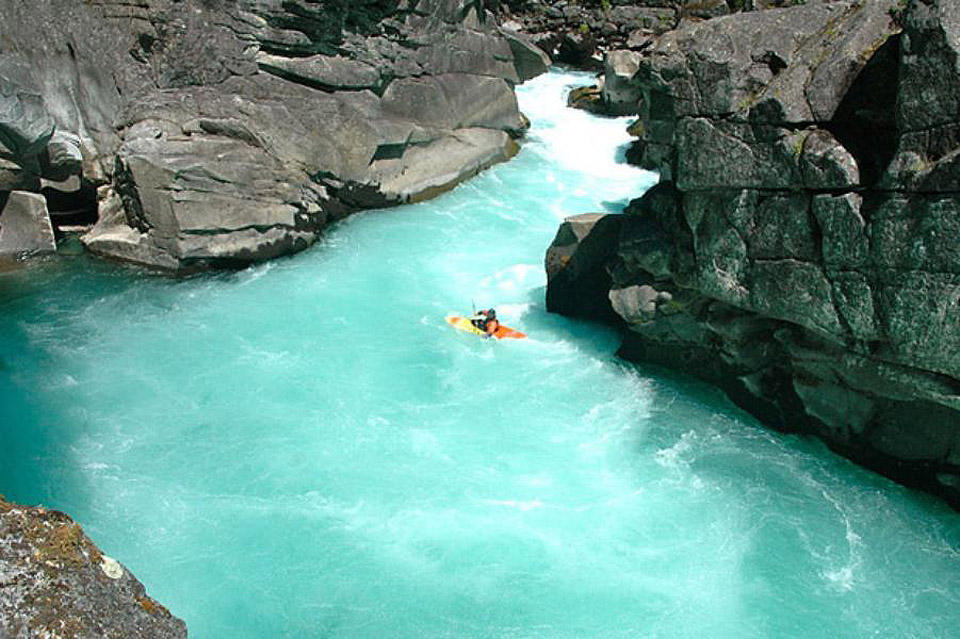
point(578, 141)
point(672, 457)
point(512, 503)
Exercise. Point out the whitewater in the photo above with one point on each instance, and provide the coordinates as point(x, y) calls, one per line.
point(305, 448)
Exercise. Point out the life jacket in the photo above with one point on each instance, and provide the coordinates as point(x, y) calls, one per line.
point(480, 320)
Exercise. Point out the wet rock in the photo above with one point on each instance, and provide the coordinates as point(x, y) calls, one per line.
point(588, 98)
point(57, 583)
point(576, 266)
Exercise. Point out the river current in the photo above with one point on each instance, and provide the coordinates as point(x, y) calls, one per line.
point(306, 449)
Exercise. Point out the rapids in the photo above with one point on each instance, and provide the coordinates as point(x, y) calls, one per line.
point(306, 449)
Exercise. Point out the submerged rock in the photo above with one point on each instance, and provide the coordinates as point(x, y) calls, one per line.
point(805, 225)
point(55, 582)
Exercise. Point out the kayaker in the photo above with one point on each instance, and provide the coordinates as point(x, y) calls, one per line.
point(486, 321)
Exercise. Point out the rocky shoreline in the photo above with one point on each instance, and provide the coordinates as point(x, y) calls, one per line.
point(190, 135)
point(800, 250)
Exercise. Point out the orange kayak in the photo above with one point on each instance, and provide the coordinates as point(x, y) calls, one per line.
point(463, 323)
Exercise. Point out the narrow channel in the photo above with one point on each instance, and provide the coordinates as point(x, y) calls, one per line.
point(306, 448)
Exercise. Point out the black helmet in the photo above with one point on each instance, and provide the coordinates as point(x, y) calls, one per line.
point(491, 314)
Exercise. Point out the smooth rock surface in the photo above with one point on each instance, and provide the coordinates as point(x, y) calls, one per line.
point(25, 226)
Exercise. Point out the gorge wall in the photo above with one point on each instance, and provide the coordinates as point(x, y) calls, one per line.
point(198, 133)
point(802, 249)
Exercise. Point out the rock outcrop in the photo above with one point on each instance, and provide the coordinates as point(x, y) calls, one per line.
point(55, 582)
point(218, 133)
point(580, 33)
point(801, 249)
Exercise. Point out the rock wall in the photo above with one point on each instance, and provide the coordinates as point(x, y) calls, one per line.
point(54, 582)
point(219, 132)
point(801, 249)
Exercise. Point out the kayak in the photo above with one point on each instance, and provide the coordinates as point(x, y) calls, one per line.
point(463, 324)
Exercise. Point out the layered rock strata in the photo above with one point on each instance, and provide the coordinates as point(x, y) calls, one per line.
point(54, 582)
point(213, 133)
point(801, 249)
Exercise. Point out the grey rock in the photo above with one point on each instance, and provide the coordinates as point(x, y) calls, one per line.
point(326, 72)
point(636, 304)
point(855, 301)
point(528, 59)
point(796, 292)
point(57, 583)
point(650, 19)
point(844, 242)
point(576, 48)
point(428, 170)
point(25, 123)
point(826, 164)
point(453, 101)
point(62, 158)
point(781, 228)
point(929, 91)
point(25, 226)
point(576, 266)
point(720, 154)
point(620, 95)
point(233, 132)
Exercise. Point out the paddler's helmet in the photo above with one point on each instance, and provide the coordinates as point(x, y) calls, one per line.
point(491, 314)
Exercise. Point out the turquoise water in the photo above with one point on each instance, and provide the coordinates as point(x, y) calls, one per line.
point(306, 449)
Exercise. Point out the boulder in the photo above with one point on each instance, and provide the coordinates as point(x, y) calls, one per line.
point(25, 227)
point(528, 59)
point(588, 98)
point(232, 132)
point(826, 164)
point(428, 170)
point(576, 266)
point(637, 304)
point(57, 582)
point(577, 47)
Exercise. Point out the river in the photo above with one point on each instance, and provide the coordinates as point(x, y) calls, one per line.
point(306, 449)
